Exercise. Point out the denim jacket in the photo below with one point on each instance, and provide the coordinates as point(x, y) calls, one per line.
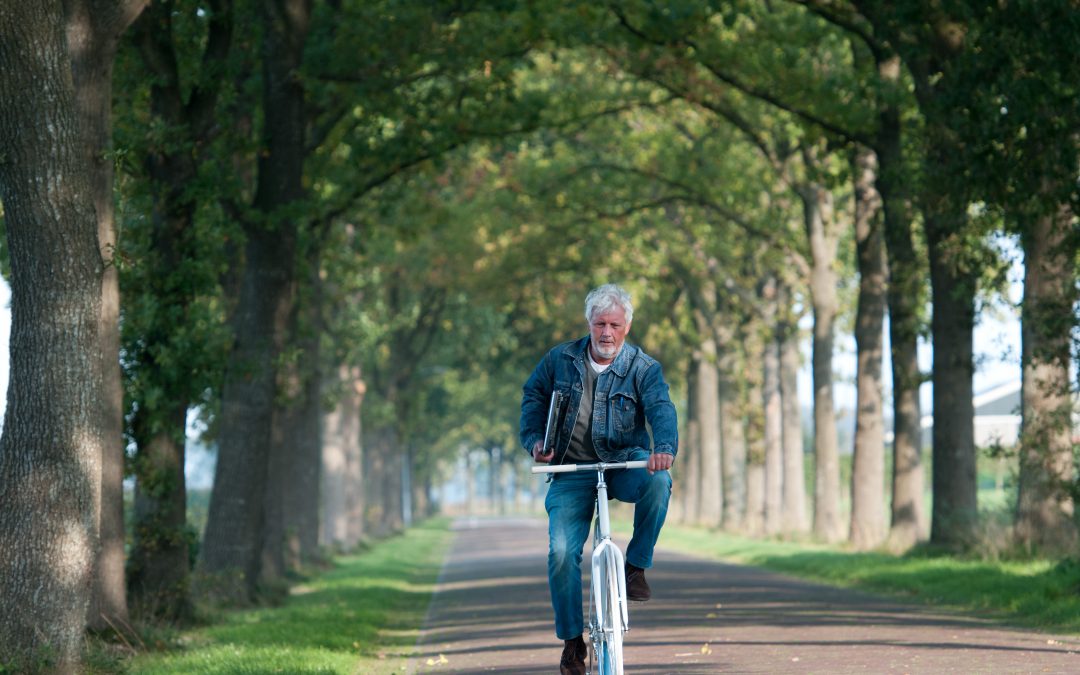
point(629, 394)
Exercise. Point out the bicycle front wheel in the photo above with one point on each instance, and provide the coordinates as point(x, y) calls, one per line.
point(608, 640)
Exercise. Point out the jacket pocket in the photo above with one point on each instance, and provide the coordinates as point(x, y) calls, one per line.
point(624, 409)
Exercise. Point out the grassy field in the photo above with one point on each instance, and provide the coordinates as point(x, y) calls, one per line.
point(1042, 594)
point(362, 616)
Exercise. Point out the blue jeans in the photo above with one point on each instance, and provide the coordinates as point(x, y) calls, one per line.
point(570, 502)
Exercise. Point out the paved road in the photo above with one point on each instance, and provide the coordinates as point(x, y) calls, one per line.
point(491, 613)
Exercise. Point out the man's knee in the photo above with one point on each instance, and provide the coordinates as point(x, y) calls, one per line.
point(561, 552)
point(657, 487)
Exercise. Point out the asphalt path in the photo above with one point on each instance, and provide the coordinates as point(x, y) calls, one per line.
point(491, 612)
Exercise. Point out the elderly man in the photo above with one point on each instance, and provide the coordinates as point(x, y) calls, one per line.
point(613, 389)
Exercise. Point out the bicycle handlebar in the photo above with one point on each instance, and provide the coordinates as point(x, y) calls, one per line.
point(568, 468)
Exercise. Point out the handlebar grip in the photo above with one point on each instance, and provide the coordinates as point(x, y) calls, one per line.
point(558, 468)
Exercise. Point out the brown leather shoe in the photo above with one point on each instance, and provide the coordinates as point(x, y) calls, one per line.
point(636, 587)
point(573, 657)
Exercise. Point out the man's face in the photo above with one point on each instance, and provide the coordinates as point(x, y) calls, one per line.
point(608, 331)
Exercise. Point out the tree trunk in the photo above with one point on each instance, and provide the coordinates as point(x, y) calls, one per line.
point(234, 528)
point(51, 447)
point(159, 564)
point(92, 45)
point(707, 404)
point(302, 513)
point(355, 497)
point(732, 434)
point(1044, 515)
point(384, 477)
point(689, 466)
point(754, 523)
point(295, 497)
point(822, 235)
point(160, 559)
point(273, 566)
point(374, 477)
point(868, 525)
point(342, 525)
point(905, 296)
point(955, 507)
point(772, 432)
point(92, 34)
point(953, 274)
point(795, 520)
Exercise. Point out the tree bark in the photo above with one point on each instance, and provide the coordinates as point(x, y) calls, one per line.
point(955, 508)
point(355, 497)
point(93, 31)
point(51, 447)
point(772, 411)
point(342, 525)
point(732, 432)
point(707, 405)
point(822, 234)
point(929, 39)
point(754, 518)
point(794, 498)
point(1044, 514)
point(292, 507)
point(868, 524)
point(689, 467)
point(302, 494)
point(383, 478)
point(905, 295)
point(234, 532)
point(374, 475)
point(159, 565)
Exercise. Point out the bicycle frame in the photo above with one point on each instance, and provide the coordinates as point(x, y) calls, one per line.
point(605, 632)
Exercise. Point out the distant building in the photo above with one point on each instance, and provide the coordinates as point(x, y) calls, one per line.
point(997, 417)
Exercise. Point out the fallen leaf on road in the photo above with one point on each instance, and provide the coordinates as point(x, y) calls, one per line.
point(439, 661)
point(710, 615)
point(706, 649)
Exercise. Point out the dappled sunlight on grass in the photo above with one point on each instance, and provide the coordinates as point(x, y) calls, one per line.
point(362, 615)
point(1035, 593)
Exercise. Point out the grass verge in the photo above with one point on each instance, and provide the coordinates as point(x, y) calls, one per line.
point(1043, 594)
point(361, 616)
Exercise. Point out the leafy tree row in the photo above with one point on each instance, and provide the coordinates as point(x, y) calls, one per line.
point(346, 230)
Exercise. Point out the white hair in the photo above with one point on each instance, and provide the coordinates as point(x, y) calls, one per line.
point(607, 297)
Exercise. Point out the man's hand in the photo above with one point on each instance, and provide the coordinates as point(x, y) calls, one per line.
point(659, 461)
point(538, 449)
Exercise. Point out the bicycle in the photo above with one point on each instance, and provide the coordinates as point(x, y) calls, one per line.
point(608, 616)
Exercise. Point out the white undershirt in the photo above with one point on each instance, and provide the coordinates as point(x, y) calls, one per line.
point(598, 367)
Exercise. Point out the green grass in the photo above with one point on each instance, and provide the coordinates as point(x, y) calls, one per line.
point(1042, 594)
point(361, 616)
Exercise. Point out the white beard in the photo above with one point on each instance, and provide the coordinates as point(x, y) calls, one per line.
point(604, 351)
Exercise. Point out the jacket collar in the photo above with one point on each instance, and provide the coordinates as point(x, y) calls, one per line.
point(620, 366)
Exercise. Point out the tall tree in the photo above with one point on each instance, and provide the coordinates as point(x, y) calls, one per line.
point(1020, 130)
point(53, 439)
point(235, 527)
point(787, 335)
point(93, 33)
point(772, 410)
point(868, 524)
point(173, 337)
point(930, 38)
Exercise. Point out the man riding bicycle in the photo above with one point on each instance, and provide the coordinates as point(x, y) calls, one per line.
point(611, 391)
